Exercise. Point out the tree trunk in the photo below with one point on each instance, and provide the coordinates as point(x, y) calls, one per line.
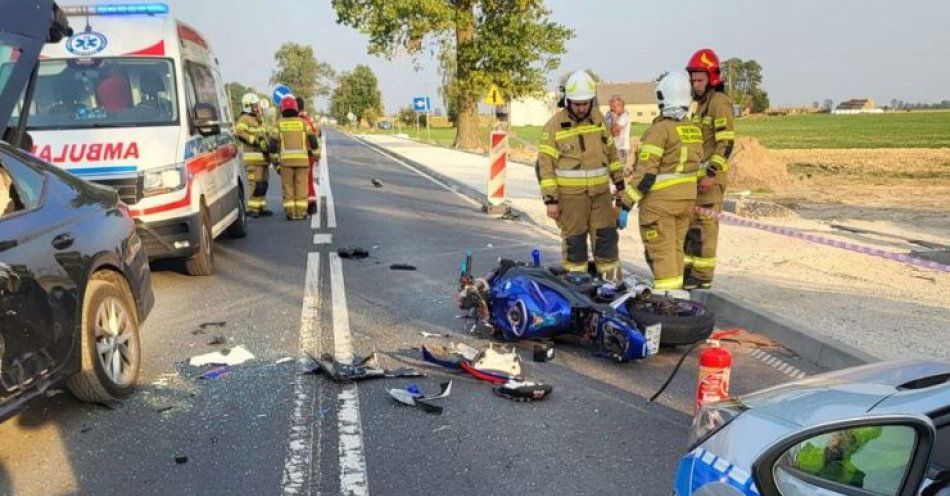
point(467, 136)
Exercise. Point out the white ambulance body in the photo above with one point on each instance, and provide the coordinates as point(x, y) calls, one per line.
point(134, 100)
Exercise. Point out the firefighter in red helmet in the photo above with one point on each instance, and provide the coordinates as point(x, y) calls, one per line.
point(297, 144)
point(714, 116)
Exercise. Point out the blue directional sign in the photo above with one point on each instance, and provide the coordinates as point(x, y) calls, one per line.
point(280, 91)
point(421, 104)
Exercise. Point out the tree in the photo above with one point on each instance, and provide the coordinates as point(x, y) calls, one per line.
point(356, 92)
point(829, 105)
point(299, 69)
point(407, 116)
point(743, 84)
point(510, 43)
point(235, 92)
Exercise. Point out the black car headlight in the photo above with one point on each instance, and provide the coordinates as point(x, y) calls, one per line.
point(163, 179)
point(711, 418)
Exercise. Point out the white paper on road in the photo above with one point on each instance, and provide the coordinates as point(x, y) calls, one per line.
point(236, 356)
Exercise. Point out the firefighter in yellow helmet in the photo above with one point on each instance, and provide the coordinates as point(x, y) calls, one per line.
point(577, 162)
point(253, 137)
point(715, 117)
point(663, 181)
point(297, 144)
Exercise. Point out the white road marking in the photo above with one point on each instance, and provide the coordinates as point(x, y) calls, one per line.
point(778, 364)
point(298, 465)
point(317, 216)
point(423, 174)
point(353, 477)
point(322, 239)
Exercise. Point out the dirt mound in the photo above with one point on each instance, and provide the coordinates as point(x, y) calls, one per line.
point(753, 167)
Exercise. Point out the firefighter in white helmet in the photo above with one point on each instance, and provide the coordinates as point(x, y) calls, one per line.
point(577, 163)
point(253, 136)
point(663, 181)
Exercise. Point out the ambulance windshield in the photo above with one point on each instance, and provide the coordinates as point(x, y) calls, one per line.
point(102, 92)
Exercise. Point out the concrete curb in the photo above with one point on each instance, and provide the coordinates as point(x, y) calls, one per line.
point(811, 346)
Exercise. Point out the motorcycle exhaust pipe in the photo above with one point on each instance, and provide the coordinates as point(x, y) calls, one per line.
point(642, 291)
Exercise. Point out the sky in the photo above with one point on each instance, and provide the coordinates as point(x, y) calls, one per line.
point(810, 50)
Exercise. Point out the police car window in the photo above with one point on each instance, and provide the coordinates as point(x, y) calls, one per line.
point(20, 185)
point(874, 459)
point(103, 92)
point(203, 85)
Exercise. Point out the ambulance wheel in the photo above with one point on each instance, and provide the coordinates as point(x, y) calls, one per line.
point(202, 262)
point(683, 321)
point(238, 228)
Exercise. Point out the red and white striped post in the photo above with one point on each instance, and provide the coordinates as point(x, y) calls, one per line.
point(497, 165)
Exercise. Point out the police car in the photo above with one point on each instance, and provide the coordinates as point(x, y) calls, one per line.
point(134, 100)
point(879, 429)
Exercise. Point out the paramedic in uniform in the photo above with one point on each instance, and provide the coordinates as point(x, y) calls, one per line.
point(663, 181)
point(577, 162)
point(297, 144)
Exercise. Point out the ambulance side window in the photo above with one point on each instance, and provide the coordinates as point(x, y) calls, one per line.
point(201, 88)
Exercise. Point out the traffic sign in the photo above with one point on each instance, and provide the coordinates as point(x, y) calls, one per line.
point(280, 91)
point(421, 104)
point(493, 97)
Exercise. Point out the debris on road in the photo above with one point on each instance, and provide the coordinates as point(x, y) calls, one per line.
point(523, 391)
point(402, 266)
point(181, 459)
point(496, 361)
point(426, 335)
point(353, 252)
point(217, 339)
point(510, 215)
point(377, 183)
point(164, 409)
point(284, 360)
point(202, 327)
point(358, 369)
point(216, 373)
point(234, 356)
point(413, 396)
point(543, 352)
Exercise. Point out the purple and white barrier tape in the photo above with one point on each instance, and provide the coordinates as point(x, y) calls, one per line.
point(844, 245)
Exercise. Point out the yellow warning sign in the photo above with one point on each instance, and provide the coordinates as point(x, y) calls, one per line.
point(493, 97)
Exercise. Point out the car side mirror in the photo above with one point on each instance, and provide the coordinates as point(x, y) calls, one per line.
point(206, 119)
point(886, 453)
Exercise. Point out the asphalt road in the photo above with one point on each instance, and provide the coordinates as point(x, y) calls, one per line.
point(267, 429)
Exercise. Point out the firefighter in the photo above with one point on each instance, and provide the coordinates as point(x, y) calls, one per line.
point(577, 162)
point(250, 131)
point(297, 144)
point(314, 159)
point(663, 180)
point(714, 116)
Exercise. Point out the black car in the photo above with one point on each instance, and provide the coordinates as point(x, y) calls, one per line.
point(74, 279)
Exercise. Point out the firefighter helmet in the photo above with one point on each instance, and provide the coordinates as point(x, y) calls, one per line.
point(580, 87)
point(707, 61)
point(248, 101)
point(288, 102)
point(674, 90)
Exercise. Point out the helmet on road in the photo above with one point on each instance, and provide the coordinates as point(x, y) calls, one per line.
point(580, 87)
point(288, 102)
point(248, 101)
point(707, 61)
point(674, 91)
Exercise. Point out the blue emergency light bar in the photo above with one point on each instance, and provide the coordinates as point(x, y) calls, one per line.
point(116, 9)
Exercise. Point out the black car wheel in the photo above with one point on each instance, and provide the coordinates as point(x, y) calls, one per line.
point(238, 228)
point(684, 321)
point(202, 262)
point(110, 354)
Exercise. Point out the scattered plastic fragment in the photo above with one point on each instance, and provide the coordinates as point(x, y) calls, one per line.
point(217, 339)
point(202, 327)
point(216, 373)
point(426, 335)
point(234, 356)
point(413, 396)
point(402, 266)
point(181, 459)
point(164, 409)
point(523, 391)
point(377, 183)
point(354, 252)
point(358, 369)
point(543, 352)
point(284, 360)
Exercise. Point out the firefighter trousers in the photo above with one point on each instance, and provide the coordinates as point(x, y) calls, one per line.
point(582, 217)
point(257, 182)
point(294, 188)
point(663, 226)
point(701, 240)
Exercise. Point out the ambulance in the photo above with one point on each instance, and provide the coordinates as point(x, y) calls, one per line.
point(134, 100)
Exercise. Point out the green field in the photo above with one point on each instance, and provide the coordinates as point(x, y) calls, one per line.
point(890, 130)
